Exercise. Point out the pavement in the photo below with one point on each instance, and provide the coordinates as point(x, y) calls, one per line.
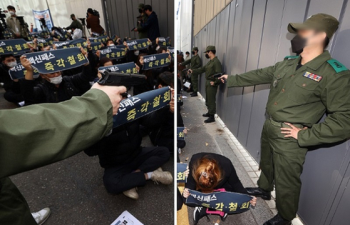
point(214, 138)
point(74, 191)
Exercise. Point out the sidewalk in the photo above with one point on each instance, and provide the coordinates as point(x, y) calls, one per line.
point(215, 138)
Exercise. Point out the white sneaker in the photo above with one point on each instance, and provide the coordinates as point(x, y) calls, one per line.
point(161, 176)
point(132, 193)
point(41, 216)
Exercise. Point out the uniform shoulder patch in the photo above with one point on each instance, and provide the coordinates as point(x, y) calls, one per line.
point(291, 57)
point(337, 66)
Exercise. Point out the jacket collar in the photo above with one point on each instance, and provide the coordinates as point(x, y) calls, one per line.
point(319, 60)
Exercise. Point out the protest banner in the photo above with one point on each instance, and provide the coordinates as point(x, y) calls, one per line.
point(112, 53)
point(163, 42)
point(140, 105)
point(19, 72)
point(122, 68)
point(57, 60)
point(46, 15)
point(138, 44)
point(228, 202)
point(155, 61)
point(181, 176)
point(180, 133)
point(81, 42)
point(13, 46)
point(172, 52)
point(102, 39)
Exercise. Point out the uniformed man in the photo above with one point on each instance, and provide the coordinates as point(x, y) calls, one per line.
point(143, 18)
point(196, 63)
point(211, 85)
point(39, 135)
point(303, 88)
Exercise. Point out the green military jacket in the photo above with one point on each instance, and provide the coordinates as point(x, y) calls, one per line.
point(39, 135)
point(303, 96)
point(142, 32)
point(195, 62)
point(211, 68)
point(75, 23)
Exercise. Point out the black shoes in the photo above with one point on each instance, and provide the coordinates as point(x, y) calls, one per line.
point(194, 94)
point(206, 115)
point(258, 192)
point(211, 119)
point(199, 213)
point(278, 220)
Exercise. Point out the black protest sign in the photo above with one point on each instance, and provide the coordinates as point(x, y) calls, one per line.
point(13, 46)
point(57, 60)
point(172, 51)
point(163, 42)
point(120, 46)
point(155, 61)
point(121, 68)
point(19, 72)
point(140, 105)
point(44, 33)
point(96, 45)
point(138, 44)
point(228, 202)
point(180, 133)
point(7, 34)
point(102, 39)
point(81, 42)
point(112, 53)
point(181, 176)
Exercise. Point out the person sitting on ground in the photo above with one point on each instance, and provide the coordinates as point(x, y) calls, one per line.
point(208, 172)
point(12, 87)
point(127, 164)
point(55, 88)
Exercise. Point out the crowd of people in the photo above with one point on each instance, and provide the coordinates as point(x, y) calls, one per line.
point(127, 163)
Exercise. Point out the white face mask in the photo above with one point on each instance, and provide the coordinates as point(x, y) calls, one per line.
point(11, 64)
point(111, 44)
point(12, 13)
point(158, 47)
point(137, 52)
point(56, 80)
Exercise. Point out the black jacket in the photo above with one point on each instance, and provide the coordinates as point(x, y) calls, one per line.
point(46, 92)
point(230, 180)
point(151, 26)
point(124, 143)
point(9, 84)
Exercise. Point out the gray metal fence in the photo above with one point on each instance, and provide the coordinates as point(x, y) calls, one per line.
point(120, 16)
point(251, 34)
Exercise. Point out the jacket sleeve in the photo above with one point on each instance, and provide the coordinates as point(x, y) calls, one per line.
point(254, 77)
point(32, 94)
point(188, 61)
point(88, 20)
point(199, 70)
point(217, 69)
point(39, 135)
point(70, 26)
point(144, 26)
point(336, 126)
point(235, 183)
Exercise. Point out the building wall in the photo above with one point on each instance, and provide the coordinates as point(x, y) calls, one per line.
point(251, 34)
point(184, 33)
point(60, 9)
point(122, 15)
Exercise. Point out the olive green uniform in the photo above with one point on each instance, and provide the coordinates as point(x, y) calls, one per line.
point(300, 97)
point(39, 135)
point(196, 63)
point(211, 68)
point(142, 33)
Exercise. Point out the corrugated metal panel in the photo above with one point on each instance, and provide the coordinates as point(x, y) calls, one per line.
point(122, 15)
point(257, 37)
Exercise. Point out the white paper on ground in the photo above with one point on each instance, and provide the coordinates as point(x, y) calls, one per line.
point(126, 219)
point(187, 84)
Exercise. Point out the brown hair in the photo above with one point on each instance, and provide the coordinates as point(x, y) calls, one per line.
point(207, 174)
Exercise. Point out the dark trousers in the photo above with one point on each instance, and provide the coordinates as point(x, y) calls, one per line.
point(14, 209)
point(122, 177)
point(11, 96)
